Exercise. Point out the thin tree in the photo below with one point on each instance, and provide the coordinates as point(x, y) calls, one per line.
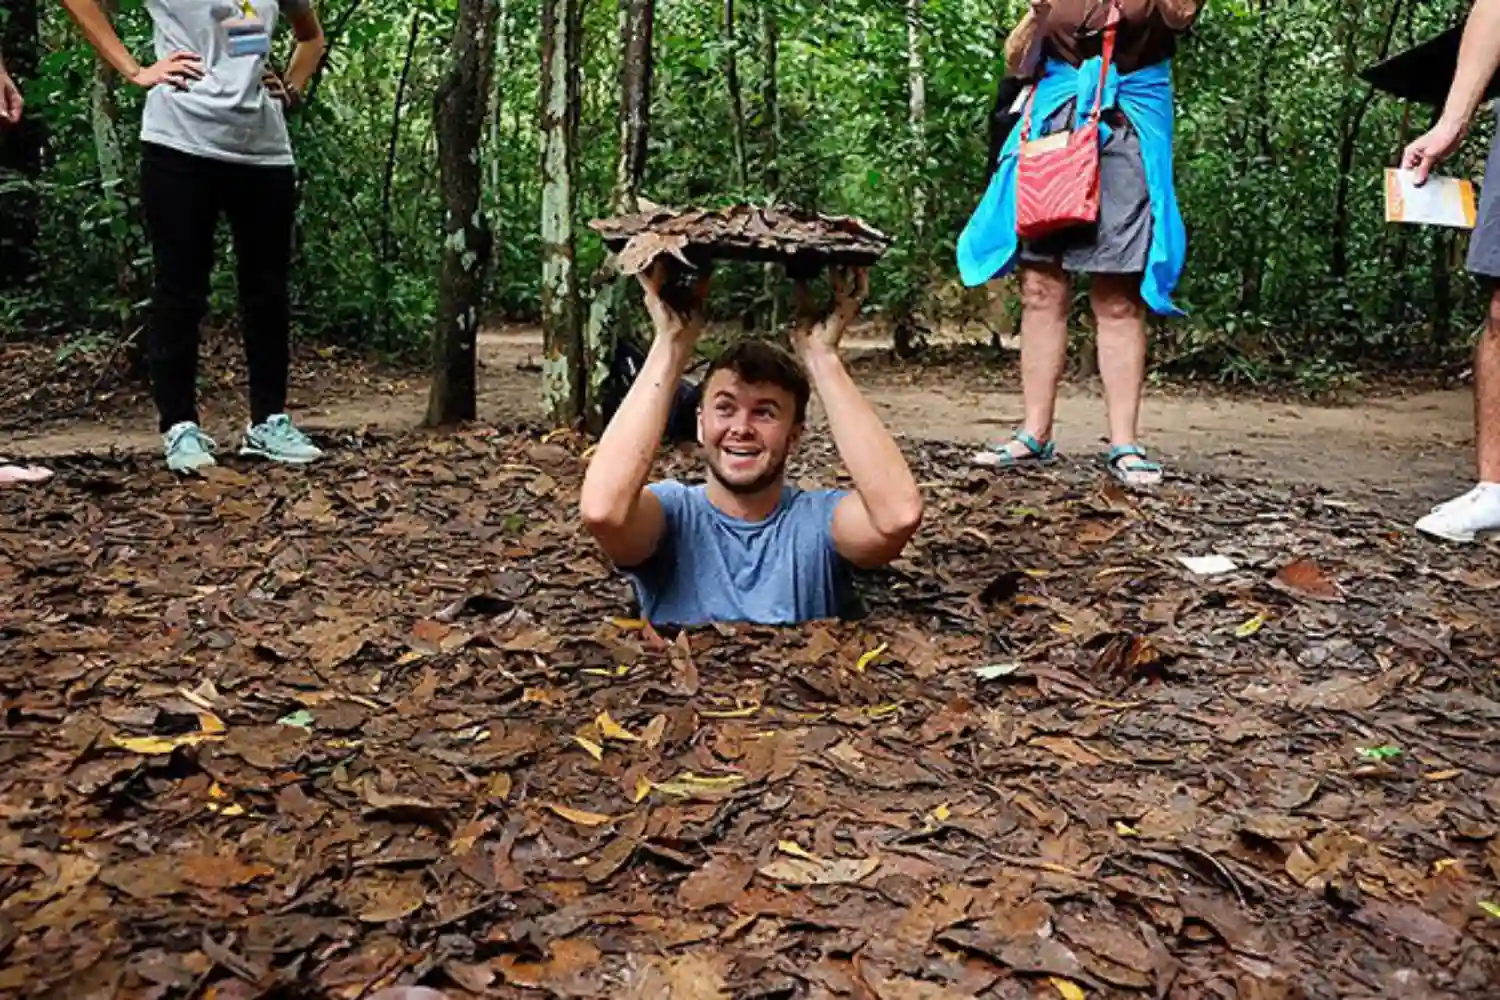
point(607, 315)
point(563, 367)
point(460, 109)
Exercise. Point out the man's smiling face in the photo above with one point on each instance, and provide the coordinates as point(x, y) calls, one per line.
point(747, 431)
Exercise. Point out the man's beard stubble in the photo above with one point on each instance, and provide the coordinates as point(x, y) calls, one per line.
point(759, 484)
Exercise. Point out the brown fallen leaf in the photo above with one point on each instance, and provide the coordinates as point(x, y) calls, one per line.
point(1305, 578)
point(1232, 926)
point(1410, 923)
point(579, 816)
point(72, 871)
point(1068, 749)
point(719, 883)
point(220, 871)
point(801, 871)
point(401, 809)
point(153, 877)
point(563, 972)
point(693, 976)
point(396, 900)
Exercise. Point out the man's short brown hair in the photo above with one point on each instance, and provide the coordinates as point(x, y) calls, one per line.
point(759, 362)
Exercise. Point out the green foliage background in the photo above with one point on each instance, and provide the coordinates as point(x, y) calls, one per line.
point(1267, 96)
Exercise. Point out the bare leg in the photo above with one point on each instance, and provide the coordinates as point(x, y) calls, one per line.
point(1487, 394)
point(1121, 319)
point(1044, 351)
point(1478, 512)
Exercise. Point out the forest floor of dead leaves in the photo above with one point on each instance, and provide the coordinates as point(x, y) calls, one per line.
point(387, 721)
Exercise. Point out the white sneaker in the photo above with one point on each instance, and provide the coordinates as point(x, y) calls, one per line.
point(279, 440)
point(188, 448)
point(1475, 513)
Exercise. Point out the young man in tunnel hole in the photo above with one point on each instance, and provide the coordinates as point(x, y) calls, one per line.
point(747, 546)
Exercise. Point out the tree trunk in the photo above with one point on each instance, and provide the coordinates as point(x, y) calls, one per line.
point(497, 112)
point(736, 98)
point(389, 178)
point(1339, 268)
point(916, 78)
point(563, 369)
point(20, 153)
point(104, 113)
point(459, 114)
point(770, 34)
point(608, 318)
point(908, 332)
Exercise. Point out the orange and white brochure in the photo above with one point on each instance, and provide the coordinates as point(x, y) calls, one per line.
point(1442, 201)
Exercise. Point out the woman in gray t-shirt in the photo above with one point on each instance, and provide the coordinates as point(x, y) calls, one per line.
point(214, 141)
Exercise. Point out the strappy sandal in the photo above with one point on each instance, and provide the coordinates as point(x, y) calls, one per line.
point(999, 456)
point(1143, 472)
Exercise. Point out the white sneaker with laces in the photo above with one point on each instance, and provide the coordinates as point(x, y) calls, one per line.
point(1465, 518)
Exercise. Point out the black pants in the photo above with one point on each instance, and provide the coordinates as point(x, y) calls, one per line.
point(183, 196)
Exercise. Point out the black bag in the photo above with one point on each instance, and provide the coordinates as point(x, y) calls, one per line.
point(625, 368)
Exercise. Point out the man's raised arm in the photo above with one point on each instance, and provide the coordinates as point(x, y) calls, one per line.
point(872, 525)
point(624, 517)
point(1478, 59)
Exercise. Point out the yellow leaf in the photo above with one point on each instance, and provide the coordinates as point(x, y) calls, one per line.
point(1438, 867)
point(1250, 627)
point(1490, 908)
point(1443, 775)
point(1037, 574)
point(593, 749)
point(580, 817)
point(1126, 831)
point(745, 710)
point(1066, 988)
point(211, 723)
point(155, 746)
point(870, 657)
point(411, 656)
point(612, 730)
point(216, 791)
point(619, 671)
point(230, 810)
point(878, 711)
point(688, 784)
point(628, 624)
point(795, 850)
point(643, 788)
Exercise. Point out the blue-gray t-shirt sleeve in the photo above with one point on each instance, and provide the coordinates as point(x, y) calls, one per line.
point(671, 495)
point(820, 506)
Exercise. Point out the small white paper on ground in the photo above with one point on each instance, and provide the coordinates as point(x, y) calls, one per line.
point(1208, 565)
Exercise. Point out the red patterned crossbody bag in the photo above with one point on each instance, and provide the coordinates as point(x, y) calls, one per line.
point(1057, 176)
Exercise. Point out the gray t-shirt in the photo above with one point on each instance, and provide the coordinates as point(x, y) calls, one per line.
point(711, 567)
point(227, 115)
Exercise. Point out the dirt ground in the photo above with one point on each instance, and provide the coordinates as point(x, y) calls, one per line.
point(1403, 452)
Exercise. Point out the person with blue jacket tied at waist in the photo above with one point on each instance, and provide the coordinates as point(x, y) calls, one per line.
point(1135, 253)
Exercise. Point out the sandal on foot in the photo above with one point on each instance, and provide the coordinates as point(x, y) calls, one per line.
point(999, 456)
point(1142, 472)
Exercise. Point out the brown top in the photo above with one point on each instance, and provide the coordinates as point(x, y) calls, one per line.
point(1072, 30)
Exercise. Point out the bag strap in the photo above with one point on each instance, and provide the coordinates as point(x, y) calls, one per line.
point(1111, 30)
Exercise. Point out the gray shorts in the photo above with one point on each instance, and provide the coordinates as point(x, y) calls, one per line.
point(1484, 243)
point(1121, 242)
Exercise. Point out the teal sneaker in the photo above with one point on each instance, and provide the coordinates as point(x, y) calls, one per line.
point(280, 441)
point(188, 448)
